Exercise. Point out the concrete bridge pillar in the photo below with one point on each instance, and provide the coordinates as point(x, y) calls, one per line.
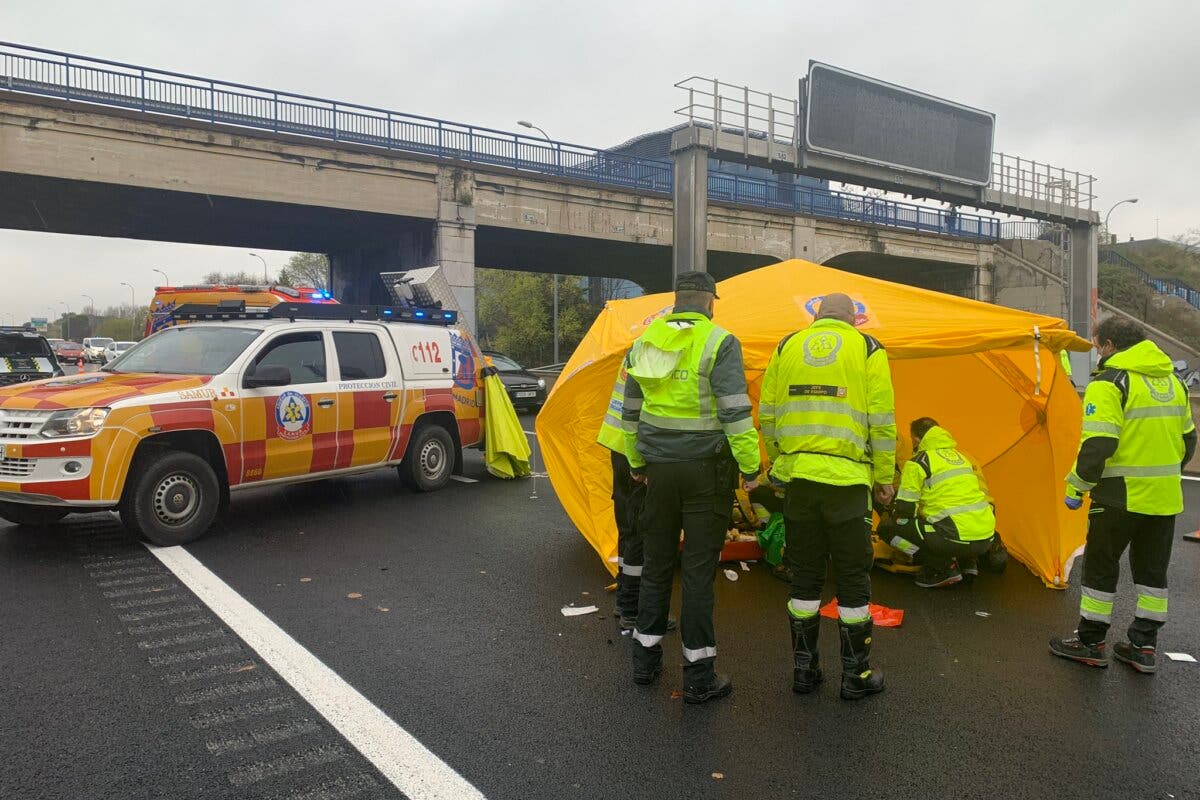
point(448, 241)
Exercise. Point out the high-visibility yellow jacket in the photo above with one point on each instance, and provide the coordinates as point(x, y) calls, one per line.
point(685, 395)
point(827, 408)
point(1137, 434)
point(939, 483)
point(611, 434)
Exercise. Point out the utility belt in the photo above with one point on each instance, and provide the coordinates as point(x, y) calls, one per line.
point(866, 461)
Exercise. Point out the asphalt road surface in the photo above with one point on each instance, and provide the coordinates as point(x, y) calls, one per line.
point(439, 616)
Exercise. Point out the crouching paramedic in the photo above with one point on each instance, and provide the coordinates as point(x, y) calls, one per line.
point(689, 433)
point(943, 516)
point(828, 418)
point(1137, 435)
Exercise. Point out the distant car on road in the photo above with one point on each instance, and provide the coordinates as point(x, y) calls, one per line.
point(68, 352)
point(25, 356)
point(113, 350)
point(93, 348)
point(526, 390)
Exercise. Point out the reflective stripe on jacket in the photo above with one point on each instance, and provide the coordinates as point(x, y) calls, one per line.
point(827, 408)
point(685, 395)
point(943, 484)
point(611, 434)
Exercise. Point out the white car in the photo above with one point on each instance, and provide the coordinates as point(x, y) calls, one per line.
point(93, 348)
point(114, 349)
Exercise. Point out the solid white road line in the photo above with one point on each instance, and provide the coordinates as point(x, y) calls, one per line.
point(1190, 478)
point(463, 479)
point(531, 433)
point(407, 763)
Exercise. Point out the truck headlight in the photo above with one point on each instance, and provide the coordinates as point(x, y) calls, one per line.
point(74, 422)
point(541, 383)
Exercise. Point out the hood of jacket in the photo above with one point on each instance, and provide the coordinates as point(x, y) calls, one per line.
point(658, 352)
point(1144, 358)
point(937, 438)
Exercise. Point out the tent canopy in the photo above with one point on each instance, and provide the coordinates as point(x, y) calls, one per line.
point(987, 373)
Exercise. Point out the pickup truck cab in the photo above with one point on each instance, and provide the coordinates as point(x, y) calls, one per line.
point(169, 429)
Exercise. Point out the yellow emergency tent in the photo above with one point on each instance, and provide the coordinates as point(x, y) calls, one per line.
point(989, 374)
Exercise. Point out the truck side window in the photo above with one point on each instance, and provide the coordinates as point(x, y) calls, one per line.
point(302, 353)
point(359, 356)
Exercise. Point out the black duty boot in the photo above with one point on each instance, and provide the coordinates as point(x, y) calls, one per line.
point(1075, 649)
point(858, 679)
point(712, 688)
point(647, 663)
point(806, 671)
point(1143, 659)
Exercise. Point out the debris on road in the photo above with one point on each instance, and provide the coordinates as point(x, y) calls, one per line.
point(306, 580)
point(745, 566)
point(578, 611)
point(982, 614)
point(1181, 657)
point(381, 608)
point(718, 776)
point(731, 575)
point(354, 596)
point(612, 587)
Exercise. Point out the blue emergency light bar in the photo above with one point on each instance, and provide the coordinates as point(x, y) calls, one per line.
point(236, 309)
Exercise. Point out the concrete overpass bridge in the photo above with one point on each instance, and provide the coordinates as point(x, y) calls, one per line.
point(99, 148)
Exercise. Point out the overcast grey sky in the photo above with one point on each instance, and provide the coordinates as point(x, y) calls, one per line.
point(1100, 87)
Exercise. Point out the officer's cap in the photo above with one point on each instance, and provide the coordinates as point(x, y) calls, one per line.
point(696, 282)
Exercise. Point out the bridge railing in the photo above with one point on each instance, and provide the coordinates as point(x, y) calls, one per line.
point(51, 73)
point(814, 201)
point(111, 83)
point(1166, 286)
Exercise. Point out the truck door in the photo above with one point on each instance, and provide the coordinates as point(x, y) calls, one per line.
point(369, 396)
point(289, 429)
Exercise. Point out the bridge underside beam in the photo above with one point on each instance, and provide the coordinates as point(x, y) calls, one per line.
point(56, 205)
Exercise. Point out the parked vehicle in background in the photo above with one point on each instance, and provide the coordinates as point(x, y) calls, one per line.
point(25, 356)
point(68, 352)
point(93, 348)
point(55, 342)
point(114, 349)
point(526, 391)
point(257, 298)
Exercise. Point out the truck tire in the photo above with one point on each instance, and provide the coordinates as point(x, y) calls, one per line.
point(429, 462)
point(172, 497)
point(33, 516)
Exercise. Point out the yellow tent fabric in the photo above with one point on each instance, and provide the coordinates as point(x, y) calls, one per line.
point(506, 448)
point(989, 374)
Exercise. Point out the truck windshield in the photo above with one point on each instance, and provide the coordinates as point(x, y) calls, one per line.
point(21, 346)
point(187, 350)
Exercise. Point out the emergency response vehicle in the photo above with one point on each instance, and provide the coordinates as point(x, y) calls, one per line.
point(237, 399)
point(257, 298)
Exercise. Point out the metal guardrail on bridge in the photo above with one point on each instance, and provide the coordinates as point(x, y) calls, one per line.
point(50, 73)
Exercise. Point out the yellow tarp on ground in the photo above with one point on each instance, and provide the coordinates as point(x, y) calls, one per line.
point(970, 365)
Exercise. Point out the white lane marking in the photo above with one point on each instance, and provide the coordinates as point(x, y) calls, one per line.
point(403, 760)
point(1190, 478)
point(463, 479)
point(531, 433)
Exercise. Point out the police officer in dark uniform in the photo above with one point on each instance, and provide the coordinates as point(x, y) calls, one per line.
point(689, 432)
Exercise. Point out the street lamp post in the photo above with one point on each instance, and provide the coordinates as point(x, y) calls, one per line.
point(166, 280)
point(92, 305)
point(266, 277)
point(1110, 210)
point(524, 123)
point(132, 311)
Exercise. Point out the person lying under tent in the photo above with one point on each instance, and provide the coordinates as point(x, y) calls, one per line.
point(942, 515)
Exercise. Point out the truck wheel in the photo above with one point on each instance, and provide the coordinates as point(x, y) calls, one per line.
point(33, 516)
point(172, 498)
point(429, 462)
